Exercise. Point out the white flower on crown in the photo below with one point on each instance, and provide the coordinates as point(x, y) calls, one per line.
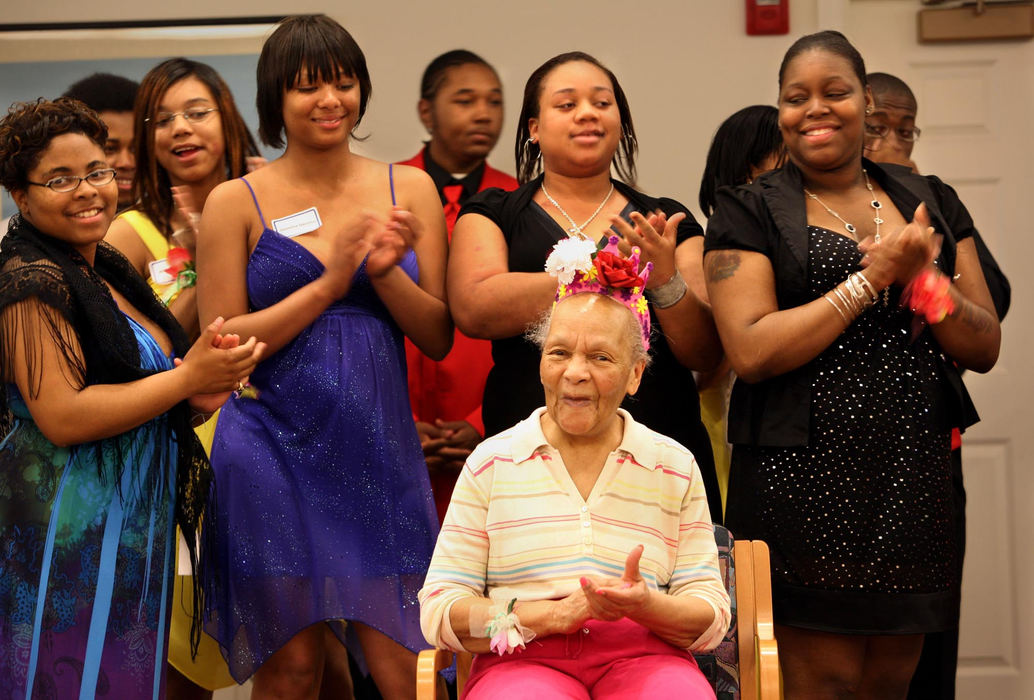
point(569, 256)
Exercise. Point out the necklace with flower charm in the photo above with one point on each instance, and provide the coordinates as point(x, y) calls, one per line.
point(850, 228)
point(575, 229)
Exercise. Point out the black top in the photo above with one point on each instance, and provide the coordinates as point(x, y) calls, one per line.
point(443, 178)
point(769, 217)
point(667, 399)
point(860, 521)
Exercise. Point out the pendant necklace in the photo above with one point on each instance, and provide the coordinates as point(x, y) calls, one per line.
point(575, 229)
point(877, 219)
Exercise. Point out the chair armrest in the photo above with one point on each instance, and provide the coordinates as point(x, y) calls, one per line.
point(766, 648)
point(428, 664)
point(768, 670)
point(746, 620)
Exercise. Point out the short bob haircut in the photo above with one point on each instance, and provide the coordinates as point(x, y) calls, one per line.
point(319, 46)
point(527, 154)
point(29, 127)
point(151, 186)
point(744, 140)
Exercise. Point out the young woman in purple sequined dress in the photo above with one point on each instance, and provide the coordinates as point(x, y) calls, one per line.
point(324, 507)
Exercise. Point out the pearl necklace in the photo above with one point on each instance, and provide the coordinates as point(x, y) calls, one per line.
point(877, 219)
point(575, 229)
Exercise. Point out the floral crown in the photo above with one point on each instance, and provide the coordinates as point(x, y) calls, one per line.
point(582, 266)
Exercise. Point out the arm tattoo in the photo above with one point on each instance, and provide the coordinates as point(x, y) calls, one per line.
point(970, 314)
point(722, 265)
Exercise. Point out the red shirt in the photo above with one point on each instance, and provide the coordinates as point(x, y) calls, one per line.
point(452, 388)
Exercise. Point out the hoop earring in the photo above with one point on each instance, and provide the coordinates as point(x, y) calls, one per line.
point(528, 145)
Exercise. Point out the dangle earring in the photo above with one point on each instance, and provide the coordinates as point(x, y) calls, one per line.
point(528, 145)
point(633, 142)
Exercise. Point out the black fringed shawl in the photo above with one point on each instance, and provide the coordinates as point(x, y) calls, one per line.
point(71, 293)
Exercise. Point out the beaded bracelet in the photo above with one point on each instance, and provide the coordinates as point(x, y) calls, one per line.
point(669, 293)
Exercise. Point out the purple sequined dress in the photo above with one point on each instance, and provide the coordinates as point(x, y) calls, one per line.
point(324, 507)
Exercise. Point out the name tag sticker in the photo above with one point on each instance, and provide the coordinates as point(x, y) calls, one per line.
point(296, 224)
point(158, 268)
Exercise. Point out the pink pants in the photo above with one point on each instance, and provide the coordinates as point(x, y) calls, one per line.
point(618, 660)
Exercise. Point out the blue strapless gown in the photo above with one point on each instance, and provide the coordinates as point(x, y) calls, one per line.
point(324, 506)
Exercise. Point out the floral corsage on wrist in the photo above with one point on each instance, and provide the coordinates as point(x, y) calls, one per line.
point(582, 266)
point(506, 632)
point(928, 296)
point(179, 266)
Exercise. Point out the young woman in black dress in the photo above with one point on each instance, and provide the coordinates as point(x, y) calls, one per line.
point(575, 127)
point(842, 412)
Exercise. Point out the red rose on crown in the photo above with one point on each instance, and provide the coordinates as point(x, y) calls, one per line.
point(616, 271)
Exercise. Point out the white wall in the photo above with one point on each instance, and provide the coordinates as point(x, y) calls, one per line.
point(685, 64)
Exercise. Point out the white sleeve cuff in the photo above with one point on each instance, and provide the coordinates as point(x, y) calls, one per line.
point(447, 639)
point(712, 636)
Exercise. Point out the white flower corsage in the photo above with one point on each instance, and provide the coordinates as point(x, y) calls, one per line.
point(570, 256)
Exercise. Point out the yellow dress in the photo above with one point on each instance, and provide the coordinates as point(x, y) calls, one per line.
point(714, 411)
point(209, 669)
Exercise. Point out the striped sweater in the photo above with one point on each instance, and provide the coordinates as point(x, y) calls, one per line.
point(517, 526)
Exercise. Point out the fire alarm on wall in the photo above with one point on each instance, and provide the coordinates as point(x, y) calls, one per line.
point(768, 17)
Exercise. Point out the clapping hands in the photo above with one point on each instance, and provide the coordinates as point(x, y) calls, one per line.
point(391, 243)
point(217, 364)
point(655, 235)
point(605, 598)
point(615, 598)
point(900, 255)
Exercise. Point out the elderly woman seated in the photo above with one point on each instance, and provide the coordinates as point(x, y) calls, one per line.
point(578, 545)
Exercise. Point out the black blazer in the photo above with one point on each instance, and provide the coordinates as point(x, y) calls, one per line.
point(769, 217)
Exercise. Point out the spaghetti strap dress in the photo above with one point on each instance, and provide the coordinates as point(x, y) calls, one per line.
point(323, 503)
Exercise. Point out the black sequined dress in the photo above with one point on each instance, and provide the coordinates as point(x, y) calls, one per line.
point(860, 520)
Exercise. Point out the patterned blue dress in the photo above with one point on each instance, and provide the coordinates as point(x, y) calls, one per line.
point(323, 500)
point(86, 565)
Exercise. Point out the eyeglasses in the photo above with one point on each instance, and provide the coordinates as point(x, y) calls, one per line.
point(880, 131)
point(163, 120)
point(70, 183)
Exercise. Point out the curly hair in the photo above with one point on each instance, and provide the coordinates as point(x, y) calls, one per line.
point(29, 127)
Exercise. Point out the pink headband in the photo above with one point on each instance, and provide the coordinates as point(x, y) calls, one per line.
point(581, 266)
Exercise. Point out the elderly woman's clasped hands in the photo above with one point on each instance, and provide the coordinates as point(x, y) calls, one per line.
point(615, 598)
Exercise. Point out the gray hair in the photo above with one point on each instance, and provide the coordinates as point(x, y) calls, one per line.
point(538, 331)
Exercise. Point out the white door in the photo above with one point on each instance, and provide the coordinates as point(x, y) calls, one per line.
point(976, 110)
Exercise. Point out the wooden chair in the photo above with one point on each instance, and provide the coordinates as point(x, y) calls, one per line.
point(744, 666)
